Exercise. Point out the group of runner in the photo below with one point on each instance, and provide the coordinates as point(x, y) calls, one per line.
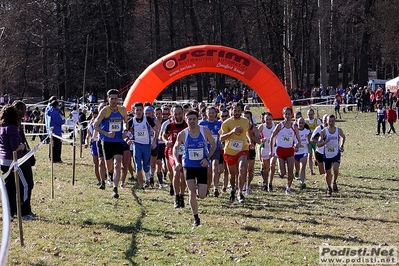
point(196, 146)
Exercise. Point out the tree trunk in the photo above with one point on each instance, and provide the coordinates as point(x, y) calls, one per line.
point(322, 45)
point(363, 63)
point(198, 77)
point(66, 49)
point(335, 43)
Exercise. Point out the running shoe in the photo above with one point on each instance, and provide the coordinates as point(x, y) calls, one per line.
point(142, 190)
point(161, 186)
point(122, 185)
point(241, 198)
point(181, 201)
point(296, 176)
point(28, 217)
point(171, 190)
point(131, 179)
point(152, 182)
point(288, 191)
point(232, 195)
point(312, 173)
point(303, 185)
point(147, 184)
point(224, 190)
point(115, 193)
point(245, 187)
point(329, 192)
point(102, 185)
point(270, 187)
point(197, 222)
point(177, 202)
point(216, 193)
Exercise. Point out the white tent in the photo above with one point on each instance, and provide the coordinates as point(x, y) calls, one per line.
point(392, 85)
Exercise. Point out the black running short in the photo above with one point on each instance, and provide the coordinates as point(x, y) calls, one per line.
point(319, 157)
point(154, 152)
point(200, 173)
point(110, 149)
point(161, 151)
point(252, 154)
point(328, 162)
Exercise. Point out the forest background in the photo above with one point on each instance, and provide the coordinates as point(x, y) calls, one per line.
point(44, 43)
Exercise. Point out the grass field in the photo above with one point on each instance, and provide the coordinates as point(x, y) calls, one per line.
point(83, 225)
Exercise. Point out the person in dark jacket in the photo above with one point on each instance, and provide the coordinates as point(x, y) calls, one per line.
point(26, 167)
point(56, 122)
point(10, 141)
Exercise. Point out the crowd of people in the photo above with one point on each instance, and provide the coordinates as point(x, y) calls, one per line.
point(192, 144)
point(195, 145)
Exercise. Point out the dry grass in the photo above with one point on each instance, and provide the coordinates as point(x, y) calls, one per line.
point(83, 225)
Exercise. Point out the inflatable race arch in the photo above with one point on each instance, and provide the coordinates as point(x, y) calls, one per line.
point(210, 58)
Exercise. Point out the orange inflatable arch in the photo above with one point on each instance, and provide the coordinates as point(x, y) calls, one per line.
point(210, 58)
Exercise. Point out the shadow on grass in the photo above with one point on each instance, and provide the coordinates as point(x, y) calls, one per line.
point(251, 229)
point(366, 189)
point(319, 236)
point(377, 178)
point(136, 198)
point(40, 263)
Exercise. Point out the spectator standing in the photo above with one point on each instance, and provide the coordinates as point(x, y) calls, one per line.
point(56, 122)
point(391, 117)
point(10, 141)
point(381, 117)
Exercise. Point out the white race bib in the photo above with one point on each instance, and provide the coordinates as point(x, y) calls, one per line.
point(286, 139)
point(195, 154)
point(330, 151)
point(235, 145)
point(141, 134)
point(115, 126)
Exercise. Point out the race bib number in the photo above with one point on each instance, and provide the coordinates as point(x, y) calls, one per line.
point(235, 145)
point(286, 139)
point(195, 154)
point(180, 150)
point(330, 151)
point(141, 135)
point(115, 126)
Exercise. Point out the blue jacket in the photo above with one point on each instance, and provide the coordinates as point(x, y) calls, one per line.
point(56, 120)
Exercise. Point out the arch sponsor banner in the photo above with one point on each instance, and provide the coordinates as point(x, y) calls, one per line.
point(210, 58)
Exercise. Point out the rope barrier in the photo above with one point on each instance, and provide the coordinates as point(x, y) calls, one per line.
point(63, 139)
